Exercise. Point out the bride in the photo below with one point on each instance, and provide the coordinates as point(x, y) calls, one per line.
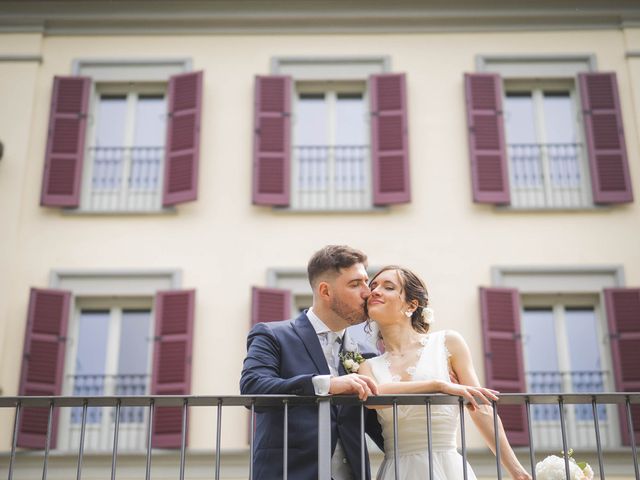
point(414, 362)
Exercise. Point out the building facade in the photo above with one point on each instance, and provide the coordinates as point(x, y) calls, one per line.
point(167, 170)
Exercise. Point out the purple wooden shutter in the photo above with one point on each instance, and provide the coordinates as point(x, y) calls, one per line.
point(389, 139)
point(504, 364)
point(172, 361)
point(270, 305)
point(608, 162)
point(65, 142)
point(623, 316)
point(272, 141)
point(43, 362)
point(487, 150)
point(183, 139)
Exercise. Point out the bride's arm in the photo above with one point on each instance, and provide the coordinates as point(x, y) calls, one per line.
point(469, 392)
point(463, 368)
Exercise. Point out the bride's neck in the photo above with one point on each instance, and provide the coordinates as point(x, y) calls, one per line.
point(398, 337)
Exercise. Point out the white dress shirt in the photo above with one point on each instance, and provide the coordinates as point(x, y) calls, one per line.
point(330, 342)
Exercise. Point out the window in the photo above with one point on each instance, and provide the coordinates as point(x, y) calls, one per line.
point(126, 150)
point(546, 132)
point(110, 354)
point(331, 159)
point(547, 163)
point(94, 334)
point(565, 329)
point(331, 135)
point(108, 124)
point(565, 351)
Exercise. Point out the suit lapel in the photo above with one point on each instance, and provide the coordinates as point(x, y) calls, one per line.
point(303, 328)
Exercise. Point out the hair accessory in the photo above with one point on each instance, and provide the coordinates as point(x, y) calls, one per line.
point(427, 315)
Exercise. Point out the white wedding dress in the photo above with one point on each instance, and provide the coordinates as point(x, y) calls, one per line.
point(413, 453)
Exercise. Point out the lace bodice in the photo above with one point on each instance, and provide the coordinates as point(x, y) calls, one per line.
point(432, 363)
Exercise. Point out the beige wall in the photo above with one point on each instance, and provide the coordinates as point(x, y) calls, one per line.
point(224, 245)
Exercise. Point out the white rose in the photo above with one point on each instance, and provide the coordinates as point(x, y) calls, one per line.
point(356, 367)
point(552, 468)
point(348, 364)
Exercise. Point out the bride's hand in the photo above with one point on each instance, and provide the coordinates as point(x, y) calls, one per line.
point(486, 395)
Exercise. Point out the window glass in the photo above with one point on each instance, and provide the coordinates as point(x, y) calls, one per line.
point(90, 362)
point(133, 360)
point(560, 134)
point(351, 120)
point(111, 121)
point(148, 142)
point(519, 118)
point(311, 122)
point(584, 355)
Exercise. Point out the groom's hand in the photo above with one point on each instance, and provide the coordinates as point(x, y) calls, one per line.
point(355, 384)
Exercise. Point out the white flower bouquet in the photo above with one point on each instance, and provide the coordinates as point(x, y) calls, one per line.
point(553, 468)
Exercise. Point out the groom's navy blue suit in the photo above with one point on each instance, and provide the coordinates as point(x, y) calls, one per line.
point(282, 358)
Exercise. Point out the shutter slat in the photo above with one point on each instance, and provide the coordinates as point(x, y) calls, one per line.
point(64, 155)
point(272, 141)
point(623, 317)
point(182, 155)
point(487, 149)
point(608, 162)
point(389, 139)
point(172, 353)
point(270, 304)
point(504, 363)
point(43, 362)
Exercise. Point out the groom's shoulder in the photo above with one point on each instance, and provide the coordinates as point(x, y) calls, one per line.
point(278, 327)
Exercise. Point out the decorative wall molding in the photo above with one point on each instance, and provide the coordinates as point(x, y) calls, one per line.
point(144, 17)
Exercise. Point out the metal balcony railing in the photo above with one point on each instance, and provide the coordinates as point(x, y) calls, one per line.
point(331, 177)
point(125, 179)
point(548, 175)
point(150, 403)
point(546, 430)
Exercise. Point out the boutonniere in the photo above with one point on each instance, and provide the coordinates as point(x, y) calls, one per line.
point(351, 361)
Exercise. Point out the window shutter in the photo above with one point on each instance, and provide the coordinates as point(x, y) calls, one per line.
point(504, 364)
point(172, 361)
point(65, 142)
point(389, 139)
point(183, 139)
point(43, 362)
point(272, 141)
point(623, 316)
point(270, 305)
point(487, 150)
point(608, 162)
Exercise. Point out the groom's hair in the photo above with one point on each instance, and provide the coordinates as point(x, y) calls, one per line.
point(331, 259)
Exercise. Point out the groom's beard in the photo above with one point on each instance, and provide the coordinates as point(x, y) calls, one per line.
point(353, 316)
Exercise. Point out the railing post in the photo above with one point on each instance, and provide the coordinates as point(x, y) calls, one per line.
point(324, 438)
point(14, 442)
point(632, 437)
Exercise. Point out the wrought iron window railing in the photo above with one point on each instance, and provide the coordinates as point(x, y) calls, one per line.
point(125, 179)
point(150, 403)
point(331, 177)
point(548, 175)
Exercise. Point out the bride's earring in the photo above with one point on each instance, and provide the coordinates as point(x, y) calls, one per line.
point(408, 314)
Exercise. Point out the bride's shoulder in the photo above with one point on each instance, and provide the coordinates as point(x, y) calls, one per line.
point(454, 341)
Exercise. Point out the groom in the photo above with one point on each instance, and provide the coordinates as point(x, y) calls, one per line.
point(302, 357)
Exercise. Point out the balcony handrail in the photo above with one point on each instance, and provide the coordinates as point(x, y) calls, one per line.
point(569, 398)
point(324, 415)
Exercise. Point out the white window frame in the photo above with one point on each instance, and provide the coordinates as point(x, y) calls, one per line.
point(132, 74)
point(537, 88)
point(330, 75)
point(132, 93)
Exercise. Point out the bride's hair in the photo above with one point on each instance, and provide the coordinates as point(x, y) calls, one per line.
point(414, 289)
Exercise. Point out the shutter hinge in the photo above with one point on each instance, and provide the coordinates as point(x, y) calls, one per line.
point(488, 354)
point(62, 339)
point(26, 356)
point(614, 336)
point(517, 336)
point(286, 114)
point(82, 115)
point(157, 338)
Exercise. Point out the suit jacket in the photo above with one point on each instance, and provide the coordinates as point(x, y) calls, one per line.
point(282, 358)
